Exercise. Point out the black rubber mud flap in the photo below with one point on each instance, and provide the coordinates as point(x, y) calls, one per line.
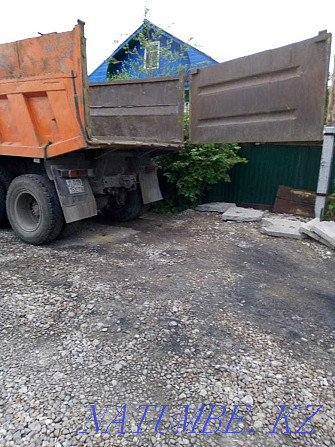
point(75, 196)
point(149, 185)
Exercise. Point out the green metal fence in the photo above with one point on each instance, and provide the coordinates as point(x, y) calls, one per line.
point(268, 167)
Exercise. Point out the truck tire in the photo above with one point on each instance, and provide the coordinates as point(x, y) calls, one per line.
point(33, 209)
point(5, 180)
point(132, 209)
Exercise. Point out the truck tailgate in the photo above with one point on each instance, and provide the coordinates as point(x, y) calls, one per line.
point(146, 112)
point(274, 96)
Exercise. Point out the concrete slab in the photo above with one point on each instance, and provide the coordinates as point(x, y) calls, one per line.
point(306, 229)
point(215, 207)
point(326, 230)
point(239, 214)
point(308, 225)
point(277, 226)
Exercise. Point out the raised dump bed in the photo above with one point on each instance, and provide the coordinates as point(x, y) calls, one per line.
point(48, 109)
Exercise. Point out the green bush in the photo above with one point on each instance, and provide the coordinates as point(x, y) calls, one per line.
point(189, 172)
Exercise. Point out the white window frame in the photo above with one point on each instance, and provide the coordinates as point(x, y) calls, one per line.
point(158, 46)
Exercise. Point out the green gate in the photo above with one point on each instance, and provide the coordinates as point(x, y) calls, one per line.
point(268, 167)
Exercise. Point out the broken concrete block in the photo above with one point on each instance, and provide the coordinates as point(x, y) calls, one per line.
point(308, 225)
point(326, 230)
point(215, 207)
point(306, 229)
point(318, 238)
point(277, 226)
point(239, 214)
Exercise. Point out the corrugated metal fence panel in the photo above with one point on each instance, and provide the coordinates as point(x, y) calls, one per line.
point(268, 167)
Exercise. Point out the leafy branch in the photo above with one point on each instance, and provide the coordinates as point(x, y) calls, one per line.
point(132, 61)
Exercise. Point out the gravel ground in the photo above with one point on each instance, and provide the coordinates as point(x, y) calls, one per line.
point(183, 310)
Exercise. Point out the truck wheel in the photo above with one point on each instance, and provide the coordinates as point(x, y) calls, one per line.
point(132, 209)
point(5, 180)
point(33, 209)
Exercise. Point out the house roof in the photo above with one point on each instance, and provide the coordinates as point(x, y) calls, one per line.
point(196, 57)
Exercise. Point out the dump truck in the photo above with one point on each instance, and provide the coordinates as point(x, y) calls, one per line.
point(70, 149)
point(67, 149)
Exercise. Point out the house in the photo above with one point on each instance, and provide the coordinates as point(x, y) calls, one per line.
point(150, 52)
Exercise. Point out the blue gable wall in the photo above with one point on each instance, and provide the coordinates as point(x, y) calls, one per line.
point(133, 63)
point(193, 57)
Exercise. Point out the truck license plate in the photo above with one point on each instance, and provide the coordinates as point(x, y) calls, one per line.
point(75, 186)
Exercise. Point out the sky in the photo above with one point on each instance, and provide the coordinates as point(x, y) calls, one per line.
point(223, 29)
